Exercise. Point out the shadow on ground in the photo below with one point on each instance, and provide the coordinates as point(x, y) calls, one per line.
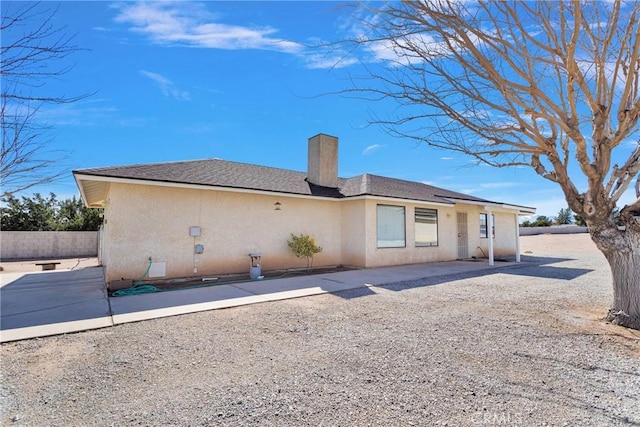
point(530, 266)
point(53, 297)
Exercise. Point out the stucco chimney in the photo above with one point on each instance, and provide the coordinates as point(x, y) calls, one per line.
point(322, 168)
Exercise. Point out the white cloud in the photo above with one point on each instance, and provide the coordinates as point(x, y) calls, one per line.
point(190, 24)
point(468, 190)
point(371, 149)
point(84, 113)
point(446, 158)
point(166, 86)
point(405, 51)
point(631, 143)
point(329, 60)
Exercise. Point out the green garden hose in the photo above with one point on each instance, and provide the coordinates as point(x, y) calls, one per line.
point(139, 288)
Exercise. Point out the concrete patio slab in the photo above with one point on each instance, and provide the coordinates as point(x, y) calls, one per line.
point(279, 289)
point(44, 303)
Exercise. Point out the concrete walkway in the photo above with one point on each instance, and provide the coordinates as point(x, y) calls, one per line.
point(38, 304)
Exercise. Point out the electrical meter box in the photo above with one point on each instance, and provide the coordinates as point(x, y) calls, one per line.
point(194, 231)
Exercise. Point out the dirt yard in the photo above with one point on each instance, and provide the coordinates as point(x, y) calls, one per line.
point(522, 346)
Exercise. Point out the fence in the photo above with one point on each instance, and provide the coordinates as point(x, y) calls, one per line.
point(558, 229)
point(48, 244)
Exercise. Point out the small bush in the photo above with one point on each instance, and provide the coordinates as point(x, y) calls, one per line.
point(304, 246)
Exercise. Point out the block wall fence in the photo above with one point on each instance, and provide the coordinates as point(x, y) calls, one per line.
point(569, 229)
point(47, 244)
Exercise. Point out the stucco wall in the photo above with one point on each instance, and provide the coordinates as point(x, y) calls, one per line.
point(144, 221)
point(48, 244)
point(149, 221)
point(354, 232)
point(446, 249)
point(504, 242)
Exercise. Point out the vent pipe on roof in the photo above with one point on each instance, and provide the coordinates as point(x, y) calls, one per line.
point(322, 167)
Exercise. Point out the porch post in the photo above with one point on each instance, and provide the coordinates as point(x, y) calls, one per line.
point(490, 235)
point(517, 238)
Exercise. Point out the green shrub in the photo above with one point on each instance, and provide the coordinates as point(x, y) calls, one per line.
point(304, 246)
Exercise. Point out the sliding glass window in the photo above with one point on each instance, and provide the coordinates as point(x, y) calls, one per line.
point(426, 227)
point(391, 226)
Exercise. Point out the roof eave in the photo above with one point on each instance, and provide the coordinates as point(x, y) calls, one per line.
point(82, 177)
point(489, 205)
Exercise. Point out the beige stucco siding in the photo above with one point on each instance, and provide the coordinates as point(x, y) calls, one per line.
point(410, 254)
point(354, 231)
point(151, 221)
point(504, 243)
point(145, 221)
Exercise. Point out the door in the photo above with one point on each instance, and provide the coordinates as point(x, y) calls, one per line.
point(463, 236)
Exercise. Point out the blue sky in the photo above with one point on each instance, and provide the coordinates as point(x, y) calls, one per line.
point(239, 81)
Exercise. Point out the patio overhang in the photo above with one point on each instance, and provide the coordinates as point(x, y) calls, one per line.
point(491, 207)
point(495, 206)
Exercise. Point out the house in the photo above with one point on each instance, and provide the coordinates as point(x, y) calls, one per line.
point(204, 217)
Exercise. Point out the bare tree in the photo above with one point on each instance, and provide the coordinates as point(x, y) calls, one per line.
point(32, 53)
point(549, 85)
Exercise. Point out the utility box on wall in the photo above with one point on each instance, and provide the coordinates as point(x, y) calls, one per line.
point(158, 269)
point(194, 231)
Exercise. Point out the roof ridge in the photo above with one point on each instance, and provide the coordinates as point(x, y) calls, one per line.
point(364, 184)
point(172, 162)
point(177, 162)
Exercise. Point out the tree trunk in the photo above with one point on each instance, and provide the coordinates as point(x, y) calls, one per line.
point(622, 251)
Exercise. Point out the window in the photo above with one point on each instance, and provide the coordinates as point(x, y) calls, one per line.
point(483, 225)
point(391, 230)
point(426, 227)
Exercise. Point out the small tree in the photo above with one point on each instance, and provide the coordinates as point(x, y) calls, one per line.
point(541, 221)
point(304, 246)
point(564, 216)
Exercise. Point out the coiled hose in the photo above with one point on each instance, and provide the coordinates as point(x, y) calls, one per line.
point(138, 287)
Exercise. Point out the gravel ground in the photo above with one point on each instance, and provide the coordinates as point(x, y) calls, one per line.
point(524, 346)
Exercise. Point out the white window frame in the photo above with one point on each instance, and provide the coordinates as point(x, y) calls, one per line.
point(483, 229)
point(388, 234)
point(420, 217)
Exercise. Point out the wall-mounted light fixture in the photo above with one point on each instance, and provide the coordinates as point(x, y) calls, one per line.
point(278, 206)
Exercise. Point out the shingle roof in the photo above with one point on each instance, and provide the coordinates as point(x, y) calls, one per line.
point(222, 173)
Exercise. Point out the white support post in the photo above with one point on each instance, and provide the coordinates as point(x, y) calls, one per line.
point(490, 235)
point(517, 238)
